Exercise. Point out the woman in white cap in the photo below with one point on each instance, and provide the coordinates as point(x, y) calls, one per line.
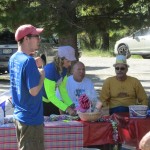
point(55, 76)
point(120, 91)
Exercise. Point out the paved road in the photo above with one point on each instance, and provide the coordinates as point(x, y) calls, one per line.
point(99, 68)
point(4, 85)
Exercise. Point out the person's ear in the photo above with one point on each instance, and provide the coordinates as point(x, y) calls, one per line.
point(26, 38)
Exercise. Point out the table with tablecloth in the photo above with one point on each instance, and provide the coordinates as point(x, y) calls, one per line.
point(58, 135)
point(130, 130)
point(97, 133)
point(74, 135)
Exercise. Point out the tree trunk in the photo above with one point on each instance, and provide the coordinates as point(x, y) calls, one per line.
point(105, 41)
point(69, 39)
point(92, 41)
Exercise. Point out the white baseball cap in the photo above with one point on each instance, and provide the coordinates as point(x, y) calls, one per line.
point(67, 51)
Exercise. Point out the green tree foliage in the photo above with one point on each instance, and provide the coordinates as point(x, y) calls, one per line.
point(95, 18)
point(106, 16)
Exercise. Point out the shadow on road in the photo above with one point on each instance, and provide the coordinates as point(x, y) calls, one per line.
point(89, 68)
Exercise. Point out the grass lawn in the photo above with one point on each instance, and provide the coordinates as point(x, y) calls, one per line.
point(96, 52)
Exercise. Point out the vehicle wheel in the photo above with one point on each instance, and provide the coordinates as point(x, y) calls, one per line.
point(2, 71)
point(123, 50)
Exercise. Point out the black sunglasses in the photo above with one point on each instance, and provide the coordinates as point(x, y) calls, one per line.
point(120, 68)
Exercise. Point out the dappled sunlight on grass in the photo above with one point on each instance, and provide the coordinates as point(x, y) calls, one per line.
point(136, 56)
point(97, 52)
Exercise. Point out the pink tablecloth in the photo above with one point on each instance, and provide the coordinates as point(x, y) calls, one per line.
point(58, 135)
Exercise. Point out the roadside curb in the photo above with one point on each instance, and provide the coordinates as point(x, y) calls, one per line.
point(4, 80)
point(4, 77)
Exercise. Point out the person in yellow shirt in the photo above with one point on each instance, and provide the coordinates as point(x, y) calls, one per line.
point(120, 91)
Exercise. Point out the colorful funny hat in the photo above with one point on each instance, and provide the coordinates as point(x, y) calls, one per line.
point(121, 59)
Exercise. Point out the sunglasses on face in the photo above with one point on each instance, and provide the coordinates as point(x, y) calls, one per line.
point(120, 68)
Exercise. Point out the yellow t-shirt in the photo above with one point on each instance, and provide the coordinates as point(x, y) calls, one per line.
point(123, 93)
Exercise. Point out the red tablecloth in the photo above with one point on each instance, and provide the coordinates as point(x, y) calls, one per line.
point(97, 133)
point(130, 131)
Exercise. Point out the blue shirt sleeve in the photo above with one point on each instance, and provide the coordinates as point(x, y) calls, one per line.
point(32, 73)
point(51, 72)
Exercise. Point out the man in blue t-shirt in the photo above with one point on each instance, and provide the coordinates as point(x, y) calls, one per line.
point(26, 82)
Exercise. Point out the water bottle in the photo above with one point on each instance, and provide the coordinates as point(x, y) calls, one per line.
point(1, 116)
